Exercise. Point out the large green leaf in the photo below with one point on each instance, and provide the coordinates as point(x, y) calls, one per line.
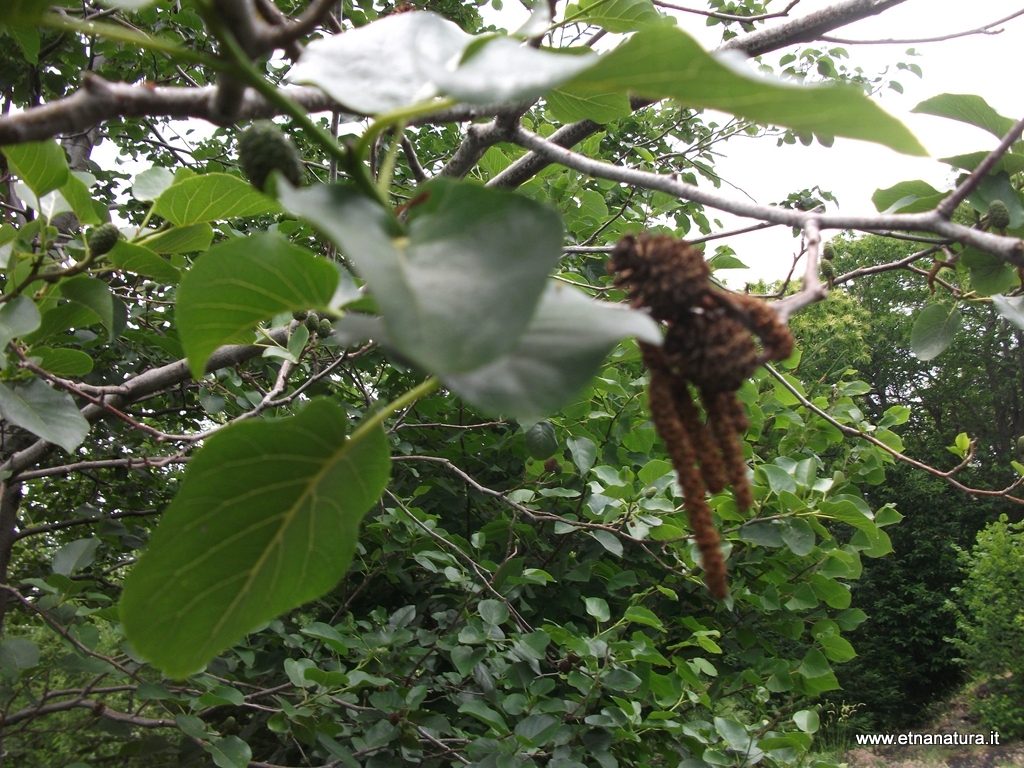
point(460, 289)
point(142, 261)
point(933, 330)
point(18, 317)
point(575, 101)
point(44, 412)
point(905, 196)
point(665, 62)
point(79, 199)
point(419, 49)
point(615, 15)
point(267, 519)
point(40, 164)
point(194, 237)
point(562, 349)
point(967, 108)
point(211, 197)
point(62, 361)
point(94, 294)
point(989, 275)
point(236, 284)
point(1009, 163)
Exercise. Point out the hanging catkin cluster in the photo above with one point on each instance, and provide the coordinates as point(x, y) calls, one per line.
point(709, 345)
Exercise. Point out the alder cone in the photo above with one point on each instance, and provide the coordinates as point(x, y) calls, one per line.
point(263, 149)
point(998, 215)
point(102, 239)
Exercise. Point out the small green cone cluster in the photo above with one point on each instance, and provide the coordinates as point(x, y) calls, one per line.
point(828, 252)
point(262, 149)
point(319, 326)
point(998, 215)
point(103, 238)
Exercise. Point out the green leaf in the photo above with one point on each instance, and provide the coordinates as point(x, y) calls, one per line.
point(142, 261)
point(779, 480)
point(665, 62)
point(814, 665)
point(807, 720)
point(504, 70)
point(94, 294)
point(18, 317)
point(63, 362)
point(459, 291)
point(75, 556)
point(573, 102)
point(267, 519)
point(598, 608)
point(799, 536)
point(195, 237)
point(966, 108)
point(236, 284)
point(989, 275)
point(621, 680)
point(640, 615)
point(1010, 308)
point(561, 350)
point(419, 49)
point(653, 470)
point(905, 195)
point(493, 611)
point(27, 38)
point(44, 412)
point(230, 752)
point(60, 318)
point(1009, 163)
point(466, 658)
point(211, 197)
point(609, 541)
point(77, 195)
point(541, 442)
point(837, 649)
point(615, 15)
point(17, 655)
point(583, 452)
point(40, 164)
point(149, 185)
point(485, 714)
point(933, 330)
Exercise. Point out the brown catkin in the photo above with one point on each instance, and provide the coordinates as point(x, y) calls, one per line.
point(711, 467)
point(683, 457)
point(722, 420)
point(709, 344)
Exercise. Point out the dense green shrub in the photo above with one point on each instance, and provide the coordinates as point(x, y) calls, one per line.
point(991, 623)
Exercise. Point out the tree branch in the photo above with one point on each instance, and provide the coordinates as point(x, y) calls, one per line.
point(146, 383)
point(1009, 249)
point(983, 30)
point(949, 204)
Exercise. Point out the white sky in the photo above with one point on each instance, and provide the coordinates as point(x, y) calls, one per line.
point(986, 65)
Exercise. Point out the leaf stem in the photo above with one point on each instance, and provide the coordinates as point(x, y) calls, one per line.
point(376, 419)
point(400, 116)
point(122, 35)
